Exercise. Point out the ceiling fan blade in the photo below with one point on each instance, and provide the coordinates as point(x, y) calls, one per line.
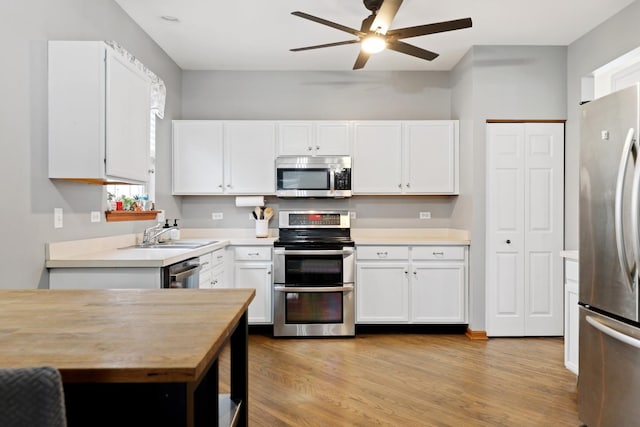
point(385, 16)
point(329, 23)
point(423, 30)
point(298, 49)
point(366, 23)
point(412, 50)
point(361, 60)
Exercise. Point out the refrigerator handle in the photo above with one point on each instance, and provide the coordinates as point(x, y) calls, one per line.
point(620, 246)
point(635, 206)
point(613, 333)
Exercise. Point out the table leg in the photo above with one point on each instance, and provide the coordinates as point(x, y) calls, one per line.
point(240, 369)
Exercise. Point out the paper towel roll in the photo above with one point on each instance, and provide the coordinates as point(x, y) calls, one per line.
point(250, 201)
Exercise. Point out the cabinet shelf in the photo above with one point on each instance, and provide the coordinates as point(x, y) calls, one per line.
point(130, 215)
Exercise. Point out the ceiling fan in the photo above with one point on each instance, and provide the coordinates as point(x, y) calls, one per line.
point(375, 35)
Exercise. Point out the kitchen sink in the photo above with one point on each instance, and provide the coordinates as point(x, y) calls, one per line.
point(175, 244)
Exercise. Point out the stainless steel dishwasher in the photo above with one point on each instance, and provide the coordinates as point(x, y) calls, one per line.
point(184, 274)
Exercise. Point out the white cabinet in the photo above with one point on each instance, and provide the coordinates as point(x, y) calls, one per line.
point(438, 284)
point(571, 315)
point(525, 182)
point(252, 269)
point(99, 114)
point(377, 157)
point(223, 157)
point(212, 270)
point(408, 157)
point(197, 154)
point(382, 284)
point(314, 138)
point(417, 284)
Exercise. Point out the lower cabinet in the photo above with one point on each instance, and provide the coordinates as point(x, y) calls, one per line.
point(571, 315)
point(212, 270)
point(252, 268)
point(411, 284)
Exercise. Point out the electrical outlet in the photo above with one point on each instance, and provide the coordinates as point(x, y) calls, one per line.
point(217, 215)
point(425, 215)
point(95, 216)
point(352, 214)
point(57, 218)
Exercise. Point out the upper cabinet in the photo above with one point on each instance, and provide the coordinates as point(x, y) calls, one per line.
point(223, 157)
point(314, 138)
point(99, 112)
point(406, 157)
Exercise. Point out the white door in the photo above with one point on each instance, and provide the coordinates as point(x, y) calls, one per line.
point(438, 292)
point(250, 148)
point(197, 157)
point(430, 157)
point(382, 293)
point(525, 181)
point(377, 157)
point(332, 138)
point(128, 93)
point(257, 276)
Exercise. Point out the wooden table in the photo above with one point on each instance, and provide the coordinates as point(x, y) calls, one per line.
point(133, 357)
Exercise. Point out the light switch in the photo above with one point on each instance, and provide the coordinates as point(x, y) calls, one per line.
point(95, 216)
point(57, 218)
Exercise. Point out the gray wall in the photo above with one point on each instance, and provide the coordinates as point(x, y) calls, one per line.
point(498, 82)
point(29, 196)
point(606, 42)
point(320, 96)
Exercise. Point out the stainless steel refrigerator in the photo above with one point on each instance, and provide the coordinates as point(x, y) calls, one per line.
point(609, 356)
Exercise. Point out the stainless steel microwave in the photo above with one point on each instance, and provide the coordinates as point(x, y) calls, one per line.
point(313, 176)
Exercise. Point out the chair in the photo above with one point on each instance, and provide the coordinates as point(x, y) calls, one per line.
point(31, 396)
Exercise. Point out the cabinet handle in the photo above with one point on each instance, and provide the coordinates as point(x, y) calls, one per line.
point(215, 282)
point(220, 186)
point(399, 185)
point(317, 147)
point(508, 242)
point(408, 185)
point(253, 253)
point(309, 148)
point(228, 185)
point(415, 273)
point(382, 254)
point(220, 256)
point(438, 254)
point(269, 272)
point(204, 263)
point(406, 272)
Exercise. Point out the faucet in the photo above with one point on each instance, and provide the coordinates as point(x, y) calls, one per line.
point(151, 234)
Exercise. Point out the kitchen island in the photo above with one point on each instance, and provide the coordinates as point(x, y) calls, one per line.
point(133, 357)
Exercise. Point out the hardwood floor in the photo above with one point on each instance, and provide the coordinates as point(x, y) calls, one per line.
point(408, 380)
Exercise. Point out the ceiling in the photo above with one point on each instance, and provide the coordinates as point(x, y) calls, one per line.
point(257, 34)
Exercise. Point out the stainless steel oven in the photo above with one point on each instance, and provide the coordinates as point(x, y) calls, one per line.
point(314, 275)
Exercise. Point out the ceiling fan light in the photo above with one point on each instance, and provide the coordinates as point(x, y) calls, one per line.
point(374, 44)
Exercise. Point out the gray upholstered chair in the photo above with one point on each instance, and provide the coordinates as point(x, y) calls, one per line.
point(31, 397)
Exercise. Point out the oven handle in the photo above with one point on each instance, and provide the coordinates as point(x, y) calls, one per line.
point(300, 289)
point(345, 251)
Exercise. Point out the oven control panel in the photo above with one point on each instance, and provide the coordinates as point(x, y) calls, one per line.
point(314, 219)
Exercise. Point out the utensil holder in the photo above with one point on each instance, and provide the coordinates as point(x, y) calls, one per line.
point(262, 228)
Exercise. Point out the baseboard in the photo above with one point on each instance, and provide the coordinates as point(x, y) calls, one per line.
point(476, 335)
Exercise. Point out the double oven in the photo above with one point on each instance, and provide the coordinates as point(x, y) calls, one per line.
point(314, 275)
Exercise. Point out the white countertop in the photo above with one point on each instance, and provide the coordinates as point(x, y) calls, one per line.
point(120, 251)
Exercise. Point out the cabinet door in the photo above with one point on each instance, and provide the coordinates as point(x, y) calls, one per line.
point(249, 148)
point(430, 157)
point(128, 93)
point(197, 157)
point(377, 158)
point(438, 292)
point(382, 292)
point(295, 138)
point(332, 138)
point(571, 316)
point(258, 277)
